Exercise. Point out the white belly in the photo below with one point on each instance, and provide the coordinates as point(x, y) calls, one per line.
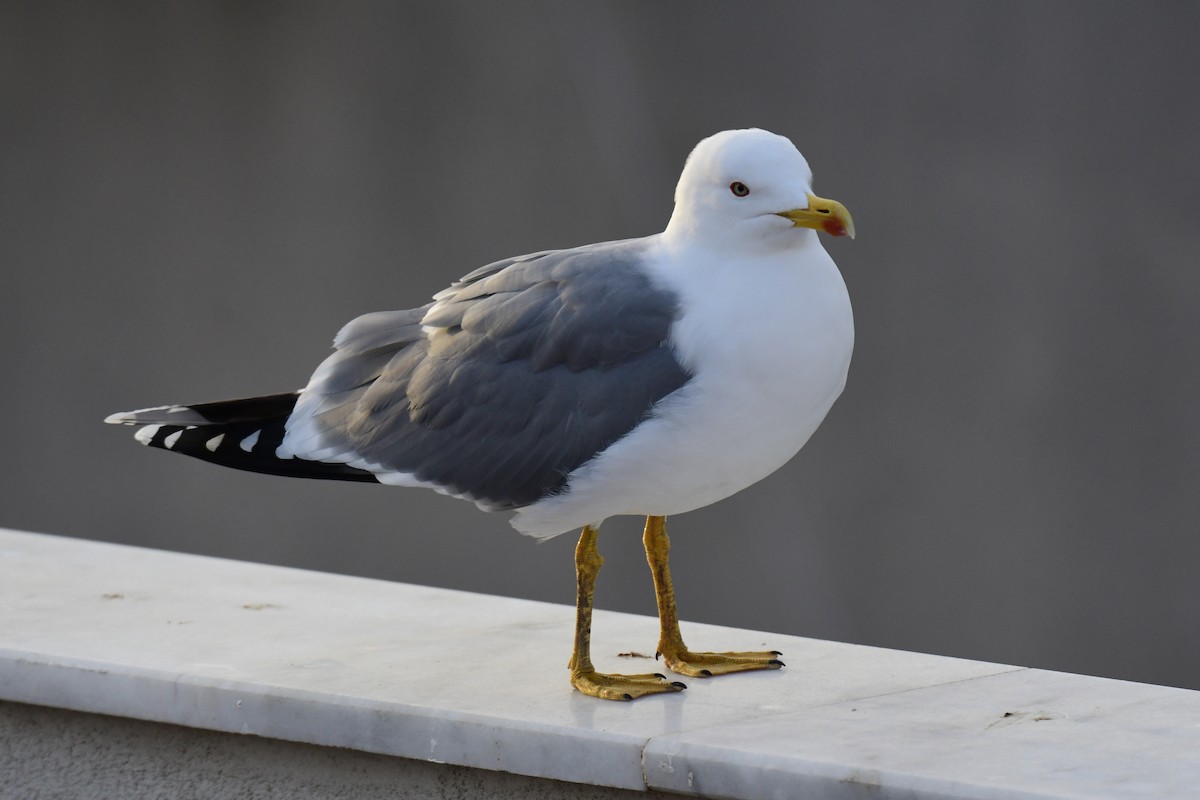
point(769, 354)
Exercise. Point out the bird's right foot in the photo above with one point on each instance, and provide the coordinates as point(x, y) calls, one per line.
point(705, 665)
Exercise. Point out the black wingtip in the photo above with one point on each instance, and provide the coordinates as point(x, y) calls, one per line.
point(241, 434)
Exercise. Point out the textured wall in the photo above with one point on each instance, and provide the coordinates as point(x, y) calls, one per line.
point(194, 197)
point(65, 755)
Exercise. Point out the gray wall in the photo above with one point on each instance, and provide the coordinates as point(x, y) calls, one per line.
point(194, 197)
point(55, 754)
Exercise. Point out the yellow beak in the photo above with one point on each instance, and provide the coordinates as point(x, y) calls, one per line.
point(822, 215)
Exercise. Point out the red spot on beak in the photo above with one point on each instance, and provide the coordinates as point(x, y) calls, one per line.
point(834, 227)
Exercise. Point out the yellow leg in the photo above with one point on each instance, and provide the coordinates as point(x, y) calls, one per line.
point(583, 675)
point(670, 645)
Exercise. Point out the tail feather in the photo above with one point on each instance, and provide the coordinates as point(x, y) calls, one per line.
point(242, 434)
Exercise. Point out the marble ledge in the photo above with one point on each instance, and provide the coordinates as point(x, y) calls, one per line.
point(388, 668)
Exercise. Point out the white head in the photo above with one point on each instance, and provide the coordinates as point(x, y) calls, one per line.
point(751, 189)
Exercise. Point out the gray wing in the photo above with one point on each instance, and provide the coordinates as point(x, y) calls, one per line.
point(514, 376)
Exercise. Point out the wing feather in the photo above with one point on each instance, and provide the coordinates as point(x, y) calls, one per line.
point(514, 377)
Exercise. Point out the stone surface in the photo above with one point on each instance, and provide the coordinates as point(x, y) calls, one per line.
point(40, 751)
point(457, 678)
point(1028, 733)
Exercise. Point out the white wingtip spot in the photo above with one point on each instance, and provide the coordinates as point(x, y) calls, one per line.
point(144, 435)
point(212, 444)
point(171, 440)
point(248, 443)
point(121, 418)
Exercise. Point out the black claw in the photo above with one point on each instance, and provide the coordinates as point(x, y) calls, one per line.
point(628, 696)
point(679, 684)
point(660, 675)
point(776, 662)
point(706, 673)
point(776, 653)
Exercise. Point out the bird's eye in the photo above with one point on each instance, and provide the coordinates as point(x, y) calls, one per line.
point(739, 189)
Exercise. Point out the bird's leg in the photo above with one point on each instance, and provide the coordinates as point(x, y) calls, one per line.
point(670, 645)
point(583, 675)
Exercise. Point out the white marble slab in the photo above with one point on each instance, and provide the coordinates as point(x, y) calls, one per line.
point(1023, 734)
point(481, 681)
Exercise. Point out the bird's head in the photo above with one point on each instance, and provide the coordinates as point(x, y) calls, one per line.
point(751, 188)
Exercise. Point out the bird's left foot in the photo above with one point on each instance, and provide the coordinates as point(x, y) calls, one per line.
point(706, 665)
point(609, 686)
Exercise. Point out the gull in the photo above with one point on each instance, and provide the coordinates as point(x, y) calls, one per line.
point(649, 376)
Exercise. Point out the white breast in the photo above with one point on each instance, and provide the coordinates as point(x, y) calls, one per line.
point(769, 345)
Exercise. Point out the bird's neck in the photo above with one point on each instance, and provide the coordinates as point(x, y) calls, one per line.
point(752, 238)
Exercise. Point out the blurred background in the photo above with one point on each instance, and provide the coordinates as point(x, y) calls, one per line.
point(194, 197)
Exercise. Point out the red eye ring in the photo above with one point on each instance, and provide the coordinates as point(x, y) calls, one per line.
point(739, 189)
